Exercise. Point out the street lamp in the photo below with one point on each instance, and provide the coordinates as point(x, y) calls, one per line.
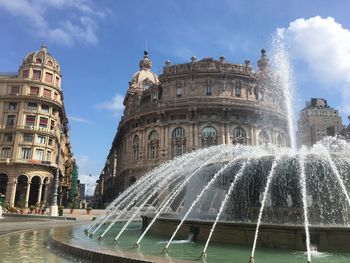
point(54, 205)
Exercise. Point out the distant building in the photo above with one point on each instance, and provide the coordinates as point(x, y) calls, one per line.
point(33, 127)
point(191, 106)
point(82, 191)
point(316, 121)
point(345, 133)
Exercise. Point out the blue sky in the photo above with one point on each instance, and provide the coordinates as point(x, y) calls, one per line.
point(99, 45)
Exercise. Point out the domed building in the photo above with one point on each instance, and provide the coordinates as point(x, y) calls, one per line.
point(190, 106)
point(34, 132)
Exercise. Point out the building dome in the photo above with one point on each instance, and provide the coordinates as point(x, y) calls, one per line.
point(42, 57)
point(142, 79)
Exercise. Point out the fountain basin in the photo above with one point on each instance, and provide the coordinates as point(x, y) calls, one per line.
point(63, 240)
point(283, 236)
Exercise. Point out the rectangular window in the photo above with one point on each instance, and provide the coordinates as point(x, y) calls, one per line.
point(48, 77)
point(57, 82)
point(179, 150)
point(5, 152)
point(50, 141)
point(36, 74)
point(52, 125)
point(48, 156)
point(34, 91)
point(10, 120)
point(39, 154)
point(28, 137)
point(8, 137)
point(45, 108)
point(208, 90)
point(238, 90)
point(43, 122)
point(53, 112)
point(55, 96)
point(14, 90)
point(12, 105)
point(30, 121)
point(41, 139)
point(26, 73)
point(32, 106)
point(47, 93)
point(178, 92)
point(26, 153)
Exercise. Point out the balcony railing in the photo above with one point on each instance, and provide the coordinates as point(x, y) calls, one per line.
point(28, 161)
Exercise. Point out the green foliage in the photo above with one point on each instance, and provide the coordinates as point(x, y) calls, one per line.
point(20, 204)
point(60, 210)
point(72, 205)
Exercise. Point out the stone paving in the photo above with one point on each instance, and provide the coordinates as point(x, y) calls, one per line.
point(16, 223)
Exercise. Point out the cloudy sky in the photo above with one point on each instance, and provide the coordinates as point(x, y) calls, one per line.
point(99, 44)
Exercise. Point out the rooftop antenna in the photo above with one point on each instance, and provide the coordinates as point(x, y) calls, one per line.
point(146, 46)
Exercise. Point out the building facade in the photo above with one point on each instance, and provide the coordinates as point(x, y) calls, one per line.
point(345, 133)
point(190, 106)
point(33, 132)
point(316, 121)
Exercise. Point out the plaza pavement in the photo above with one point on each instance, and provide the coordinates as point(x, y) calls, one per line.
point(11, 223)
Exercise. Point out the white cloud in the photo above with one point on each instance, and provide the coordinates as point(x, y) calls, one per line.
point(78, 119)
point(323, 44)
point(115, 105)
point(82, 27)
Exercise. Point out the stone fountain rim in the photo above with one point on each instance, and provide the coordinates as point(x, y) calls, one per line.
point(98, 253)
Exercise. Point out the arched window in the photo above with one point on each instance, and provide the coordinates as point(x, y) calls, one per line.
point(178, 133)
point(239, 136)
point(135, 148)
point(209, 136)
point(263, 137)
point(178, 141)
point(153, 145)
point(49, 63)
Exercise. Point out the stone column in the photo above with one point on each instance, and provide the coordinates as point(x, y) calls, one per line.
point(222, 133)
point(195, 143)
point(27, 195)
point(228, 134)
point(45, 193)
point(190, 137)
point(166, 143)
point(144, 145)
point(13, 192)
point(39, 194)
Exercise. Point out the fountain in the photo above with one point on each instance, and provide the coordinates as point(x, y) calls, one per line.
point(261, 196)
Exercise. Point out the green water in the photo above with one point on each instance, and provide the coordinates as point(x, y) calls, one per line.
point(185, 250)
point(32, 246)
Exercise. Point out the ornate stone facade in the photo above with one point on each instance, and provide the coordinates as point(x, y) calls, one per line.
point(33, 123)
point(190, 106)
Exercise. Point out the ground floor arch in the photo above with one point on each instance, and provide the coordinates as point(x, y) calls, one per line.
point(21, 190)
point(3, 186)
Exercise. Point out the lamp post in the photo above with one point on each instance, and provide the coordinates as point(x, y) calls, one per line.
point(54, 205)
